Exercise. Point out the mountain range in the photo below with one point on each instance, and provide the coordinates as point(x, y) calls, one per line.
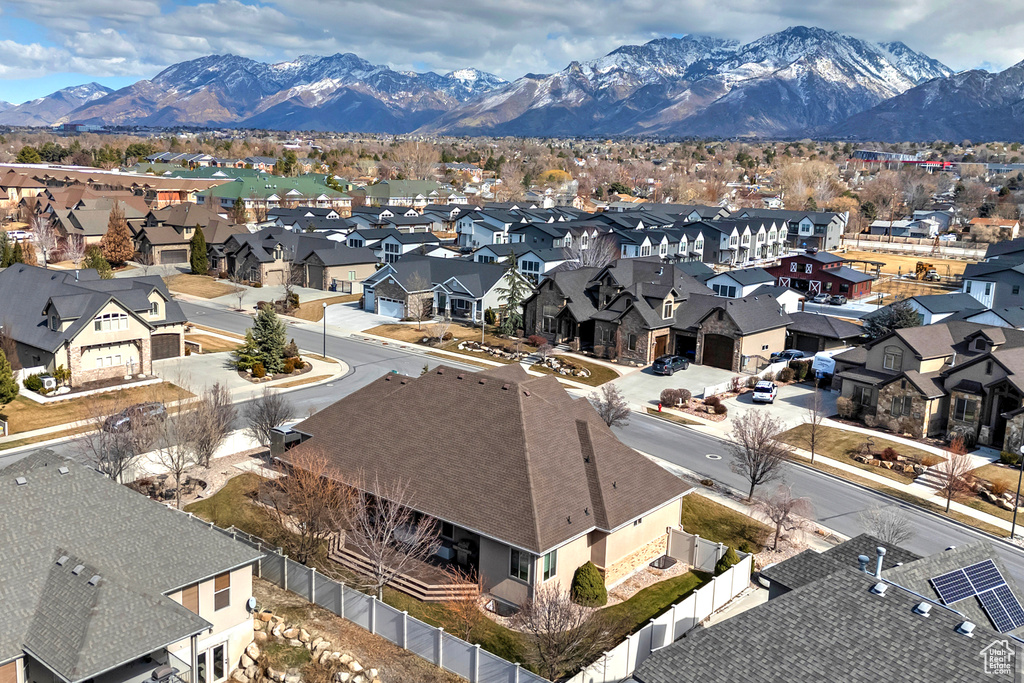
point(794, 83)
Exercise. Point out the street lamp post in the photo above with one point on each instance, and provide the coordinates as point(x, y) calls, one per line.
point(1016, 501)
point(325, 330)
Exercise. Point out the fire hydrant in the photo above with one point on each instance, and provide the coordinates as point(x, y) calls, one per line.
point(659, 406)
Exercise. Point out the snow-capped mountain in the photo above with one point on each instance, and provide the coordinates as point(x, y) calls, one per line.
point(794, 81)
point(975, 105)
point(45, 110)
point(337, 92)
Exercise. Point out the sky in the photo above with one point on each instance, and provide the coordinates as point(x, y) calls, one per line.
point(49, 44)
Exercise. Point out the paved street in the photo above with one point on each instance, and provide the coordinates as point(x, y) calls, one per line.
point(837, 504)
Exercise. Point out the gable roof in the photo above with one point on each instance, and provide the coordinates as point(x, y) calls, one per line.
point(477, 278)
point(948, 303)
point(76, 629)
point(749, 276)
point(823, 326)
point(552, 470)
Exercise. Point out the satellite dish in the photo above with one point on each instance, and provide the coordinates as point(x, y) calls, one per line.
point(250, 604)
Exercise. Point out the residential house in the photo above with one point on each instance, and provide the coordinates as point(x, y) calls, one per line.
point(814, 332)
point(91, 592)
point(369, 238)
point(943, 217)
point(863, 611)
point(535, 264)
point(739, 283)
point(920, 228)
point(259, 163)
point(98, 329)
point(17, 185)
point(542, 235)
point(790, 299)
point(821, 273)
point(949, 378)
point(165, 235)
point(91, 217)
point(997, 282)
point(553, 489)
point(821, 230)
point(635, 310)
point(993, 229)
point(393, 246)
point(490, 226)
point(999, 317)
point(934, 308)
point(262, 192)
point(414, 193)
point(455, 287)
point(340, 269)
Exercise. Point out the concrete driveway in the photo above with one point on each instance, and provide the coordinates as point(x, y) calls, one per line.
point(644, 387)
point(200, 371)
point(790, 405)
point(351, 318)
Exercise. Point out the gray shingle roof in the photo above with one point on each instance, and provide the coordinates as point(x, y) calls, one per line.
point(823, 326)
point(949, 303)
point(141, 550)
point(750, 276)
point(477, 278)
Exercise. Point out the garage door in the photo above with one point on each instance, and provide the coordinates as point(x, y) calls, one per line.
point(391, 307)
point(806, 344)
point(174, 256)
point(718, 351)
point(316, 277)
point(165, 346)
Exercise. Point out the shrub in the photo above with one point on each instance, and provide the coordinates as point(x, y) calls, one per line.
point(289, 366)
point(710, 483)
point(889, 455)
point(871, 421)
point(800, 369)
point(44, 391)
point(489, 317)
point(712, 401)
point(669, 397)
point(448, 336)
point(721, 409)
point(34, 383)
point(846, 407)
point(223, 275)
point(684, 396)
point(1009, 458)
point(785, 375)
point(291, 349)
point(293, 301)
point(930, 460)
point(727, 560)
point(745, 547)
point(258, 371)
point(298, 363)
point(999, 488)
point(752, 381)
point(588, 586)
point(536, 340)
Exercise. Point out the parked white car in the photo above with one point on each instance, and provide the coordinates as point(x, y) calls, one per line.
point(765, 392)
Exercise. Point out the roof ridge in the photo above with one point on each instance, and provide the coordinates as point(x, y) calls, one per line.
point(535, 522)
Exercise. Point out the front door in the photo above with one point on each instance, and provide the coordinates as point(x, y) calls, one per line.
point(660, 344)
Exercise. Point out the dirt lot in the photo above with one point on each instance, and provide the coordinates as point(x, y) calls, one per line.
point(395, 664)
point(897, 263)
point(211, 344)
point(198, 285)
point(909, 288)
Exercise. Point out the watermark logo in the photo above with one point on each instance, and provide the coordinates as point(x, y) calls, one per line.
point(998, 658)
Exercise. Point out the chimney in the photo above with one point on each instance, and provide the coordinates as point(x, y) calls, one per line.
point(863, 561)
point(953, 361)
point(76, 276)
point(878, 563)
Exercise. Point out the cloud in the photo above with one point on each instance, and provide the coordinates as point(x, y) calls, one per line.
point(139, 38)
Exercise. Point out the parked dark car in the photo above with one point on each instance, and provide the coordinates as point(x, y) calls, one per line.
point(837, 300)
point(667, 365)
point(133, 417)
point(787, 355)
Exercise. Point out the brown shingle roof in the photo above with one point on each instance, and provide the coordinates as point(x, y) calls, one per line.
point(499, 452)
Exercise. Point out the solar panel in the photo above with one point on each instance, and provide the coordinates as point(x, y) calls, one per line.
point(984, 576)
point(995, 611)
point(953, 587)
point(1011, 605)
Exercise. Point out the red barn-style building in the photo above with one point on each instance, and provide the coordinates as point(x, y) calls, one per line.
point(821, 273)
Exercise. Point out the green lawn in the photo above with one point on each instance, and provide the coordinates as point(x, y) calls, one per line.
point(843, 444)
point(631, 615)
point(716, 522)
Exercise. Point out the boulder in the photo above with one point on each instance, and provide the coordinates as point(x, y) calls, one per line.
point(251, 671)
point(355, 667)
point(260, 637)
point(325, 657)
point(245, 661)
point(345, 659)
point(292, 676)
point(291, 633)
point(238, 675)
point(295, 642)
point(252, 651)
point(372, 673)
point(335, 656)
point(276, 631)
point(304, 635)
point(264, 615)
point(358, 678)
point(887, 465)
point(274, 675)
point(316, 641)
point(341, 677)
point(320, 647)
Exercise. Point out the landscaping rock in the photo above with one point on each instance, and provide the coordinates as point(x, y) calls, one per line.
point(372, 673)
point(295, 642)
point(276, 631)
point(303, 635)
point(320, 647)
point(252, 651)
point(345, 659)
point(341, 677)
point(325, 657)
point(238, 675)
point(251, 671)
point(257, 624)
point(355, 667)
point(887, 465)
point(292, 676)
point(291, 633)
point(245, 661)
point(275, 675)
point(260, 637)
point(359, 678)
point(264, 615)
point(313, 643)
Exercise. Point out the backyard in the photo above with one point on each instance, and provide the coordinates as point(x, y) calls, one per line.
point(716, 522)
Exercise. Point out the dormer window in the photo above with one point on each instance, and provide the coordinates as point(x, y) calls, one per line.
point(154, 308)
point(666, 311)
point(981, 344)
point(54, 322)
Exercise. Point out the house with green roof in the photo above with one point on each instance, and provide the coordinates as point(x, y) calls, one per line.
point(261, 192)
point(415, 193)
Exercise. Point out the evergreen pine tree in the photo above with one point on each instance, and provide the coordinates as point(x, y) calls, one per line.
point(6, 251)
point(94, 259)
point(246, 355)
point(198, 259)
point(19, 254)
point(117, 243)
point(269, 334)
point(511, 297)
point(238, 213)
point(8, 385)
point(896, 316)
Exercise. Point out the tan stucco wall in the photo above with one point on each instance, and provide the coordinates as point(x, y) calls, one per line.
point(89, 337)
point(774, 339)
point(340, 273)
point(627, 539)
point(494, 566)
point(233, 623)
point(568, 558)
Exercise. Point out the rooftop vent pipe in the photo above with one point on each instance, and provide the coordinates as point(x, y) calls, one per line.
point(878, 563)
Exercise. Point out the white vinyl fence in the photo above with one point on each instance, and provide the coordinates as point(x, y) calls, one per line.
point(699, 553)
point(620, 662)
point(431, 643)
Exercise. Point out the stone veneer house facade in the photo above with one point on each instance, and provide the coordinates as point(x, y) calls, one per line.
point(944, 379)
point(547, 487)
point(99, 329)
point(99, 583)
point(637, 309)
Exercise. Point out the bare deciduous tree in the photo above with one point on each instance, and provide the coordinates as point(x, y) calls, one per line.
point(461, 602)
point(8, 346)
point(265, 412)
point(213, 414)
point(45, 236)
point(74, 248)
point(112, 452)
point(785, 512)
point(562, 636)
point(599, 252)
point(611, 405)
point(438, 329)
point(175, 446)
point(756, 454)
point(236, 288)
point(415, 159)
point(955, 472)
point(813, 417)
point(307, 501)
point(888, 524)
point(420, 307)
point(384, 528)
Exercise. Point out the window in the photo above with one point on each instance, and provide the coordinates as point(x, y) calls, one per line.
point(733, 240)
point(221, 591)
point(764, 347)
point(862, 395)
point(448, 531)
point(988, 288)
point(190, 598)
point(792, 267)
point(645, 250)
point(1016, 289)
point(54, 322)
point(666, 310)
point(901, 405)
point(893, 359)
point(550, 564)
point(964, 410)
point(154, 308)
point(584, 240)
point(631, 342)
point(108, 361)
point(746, 240)
point(967, 287)
point(638, 521)
point(391, 252)
point(351, 276)
point(530, 267)
point(698, 245)
point(549, 324)
point(211, 665)
point(808, 268)
point(219, 662)
point(110, 322)
point(988, 367)
point(519, 567)
point(663, 249)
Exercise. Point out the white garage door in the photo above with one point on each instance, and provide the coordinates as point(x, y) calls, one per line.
point(368, 300)
point(392, 308)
